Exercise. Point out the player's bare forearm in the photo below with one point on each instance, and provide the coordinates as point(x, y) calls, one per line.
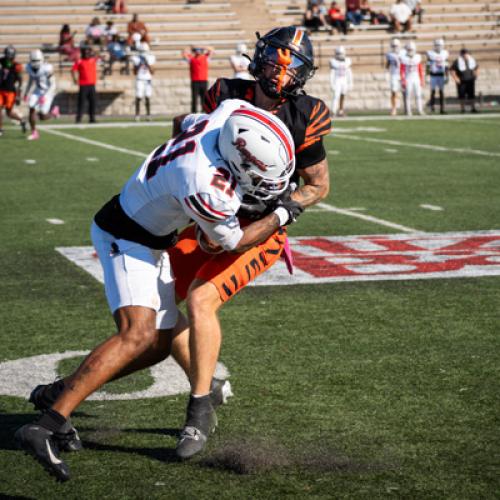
point(316, 184)
point(257, 233)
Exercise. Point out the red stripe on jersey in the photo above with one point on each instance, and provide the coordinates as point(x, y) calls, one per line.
point(264, 119)
point(186, 200)
point(210, 209)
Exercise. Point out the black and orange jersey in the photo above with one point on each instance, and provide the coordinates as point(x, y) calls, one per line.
point(307, 118)
point(10, 74)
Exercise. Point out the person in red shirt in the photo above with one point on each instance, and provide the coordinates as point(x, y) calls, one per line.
point(198, 58)
point(84, 73)
point(337, 18)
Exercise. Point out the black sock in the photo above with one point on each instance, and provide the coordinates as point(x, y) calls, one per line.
point(51, 420)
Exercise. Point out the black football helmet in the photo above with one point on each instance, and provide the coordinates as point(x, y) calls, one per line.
point(289, 48)
point(9, 52)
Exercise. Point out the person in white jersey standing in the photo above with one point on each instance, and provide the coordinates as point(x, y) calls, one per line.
point(143, 64)
point(201, 174)
point(239, 63)
point(412, 77)
point(42, 79)
point(437, 68)
point(340, 80)
point(393, 64)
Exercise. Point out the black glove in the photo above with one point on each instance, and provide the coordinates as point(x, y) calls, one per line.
point(254, 209)
point(287, 210)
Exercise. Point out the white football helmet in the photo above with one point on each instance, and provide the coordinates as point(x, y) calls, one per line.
point(259, 150)
point(395, 44)
point(241, 48)
point(340, 52)
point(439, 44)
point(36, 58)
point(411, 48)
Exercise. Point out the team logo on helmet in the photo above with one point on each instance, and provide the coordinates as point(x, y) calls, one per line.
point(240, 145)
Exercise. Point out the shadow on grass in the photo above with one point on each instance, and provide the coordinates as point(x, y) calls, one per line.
point(161, 454)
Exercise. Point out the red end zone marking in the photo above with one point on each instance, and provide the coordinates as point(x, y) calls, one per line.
point(398, 256)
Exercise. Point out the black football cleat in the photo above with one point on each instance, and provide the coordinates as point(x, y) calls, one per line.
point(38, 442)
point(67, 438)
point(201, 421)
point(220, 392)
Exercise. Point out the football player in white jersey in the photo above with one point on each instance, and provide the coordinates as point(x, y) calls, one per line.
point(393, 64)
point(437, 67)
point(143, 71)
point(41, 76)
point(340, 80)
point(412, 77)
point(239, 63)
point(200, 174)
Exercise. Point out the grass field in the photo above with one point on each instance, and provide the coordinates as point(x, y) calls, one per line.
point(369, 389)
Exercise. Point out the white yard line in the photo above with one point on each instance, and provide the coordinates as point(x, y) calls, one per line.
point(95, 143)
point(324, 206)
point(368, 218)
point(430, 147)
point(416, 118)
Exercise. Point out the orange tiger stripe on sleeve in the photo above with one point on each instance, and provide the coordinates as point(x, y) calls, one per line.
point(210, 100)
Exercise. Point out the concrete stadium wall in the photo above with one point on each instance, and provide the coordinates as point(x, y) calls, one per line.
point(173, 96)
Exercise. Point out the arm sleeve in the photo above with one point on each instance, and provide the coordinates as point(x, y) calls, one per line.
point(312, 151)
point(216, 217)
point(211, 100)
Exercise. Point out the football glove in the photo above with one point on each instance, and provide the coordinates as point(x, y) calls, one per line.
point(287, 209)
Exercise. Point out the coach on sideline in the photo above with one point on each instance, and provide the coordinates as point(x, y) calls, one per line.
point(86, 68)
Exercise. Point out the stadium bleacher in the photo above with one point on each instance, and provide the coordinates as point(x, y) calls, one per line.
point(30, 24)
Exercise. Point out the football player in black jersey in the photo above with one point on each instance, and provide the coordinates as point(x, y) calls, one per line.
point(282, 63)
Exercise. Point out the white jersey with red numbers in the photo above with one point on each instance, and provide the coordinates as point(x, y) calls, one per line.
point(411, 68)
point(437, 62)
point(186, 178)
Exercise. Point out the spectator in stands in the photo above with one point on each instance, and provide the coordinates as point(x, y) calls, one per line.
point(198, 59)
point(353, 11)
point(119, 7)
point(314, 17)
point(143, 70)
point(336, 18)
point(416, 9)
point(239, 63)
point(67, 44)
point(117, 52)
point(95, 32)
point(372, 16)
point(464, 72)
point(400, 17)
point(136, 26)
point(106, 5)
point(84, 73)
point(109, 31)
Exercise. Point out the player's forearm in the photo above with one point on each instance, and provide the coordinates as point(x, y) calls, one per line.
point(257, 233)
point(316, 184)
